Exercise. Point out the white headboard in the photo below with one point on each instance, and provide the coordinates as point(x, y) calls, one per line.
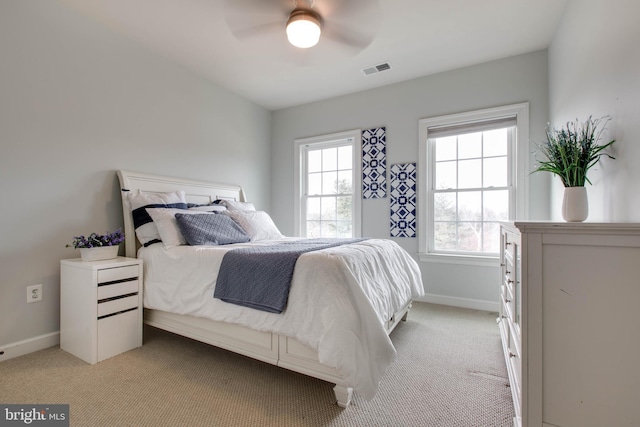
point(200, 192)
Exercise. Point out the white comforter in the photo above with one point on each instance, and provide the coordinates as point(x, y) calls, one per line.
point(340, 300)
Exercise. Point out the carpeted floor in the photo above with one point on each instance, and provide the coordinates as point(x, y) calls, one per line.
point(449, 372)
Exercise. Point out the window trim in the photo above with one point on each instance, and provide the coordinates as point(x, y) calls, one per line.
point(300, 171)
point(519, 163)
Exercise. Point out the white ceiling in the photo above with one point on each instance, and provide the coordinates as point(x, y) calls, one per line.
point(417, 37)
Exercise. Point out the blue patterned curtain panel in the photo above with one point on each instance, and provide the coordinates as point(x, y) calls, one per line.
point(374, 163)
point(403, 200)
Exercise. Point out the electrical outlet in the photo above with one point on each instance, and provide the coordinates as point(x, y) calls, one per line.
point(34, 293)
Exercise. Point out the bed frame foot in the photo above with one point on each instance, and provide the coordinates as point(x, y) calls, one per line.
point(406, 313)
point(343, 395)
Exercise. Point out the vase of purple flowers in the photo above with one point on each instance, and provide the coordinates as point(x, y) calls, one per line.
point(96, 247)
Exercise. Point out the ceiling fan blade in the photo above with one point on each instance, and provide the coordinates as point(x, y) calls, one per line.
point(346, 36)
point(249, 18)
point(352, 23)
point(251, 8)
point(346, 11)
point(259, 30)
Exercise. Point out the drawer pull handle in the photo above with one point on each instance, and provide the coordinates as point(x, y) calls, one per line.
point(512, 355)
point(507, 300)
point(507, 244)
point(509, 281)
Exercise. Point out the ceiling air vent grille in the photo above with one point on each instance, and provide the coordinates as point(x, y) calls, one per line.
point(376, 68)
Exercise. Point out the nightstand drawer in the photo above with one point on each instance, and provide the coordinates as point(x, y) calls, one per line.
point(117, 334)
point(115, 274)
point(117, 305)
point(117, 289)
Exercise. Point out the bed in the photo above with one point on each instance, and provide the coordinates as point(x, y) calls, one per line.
point(339, 313)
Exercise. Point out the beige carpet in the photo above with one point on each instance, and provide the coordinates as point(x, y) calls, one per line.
point(449, 372)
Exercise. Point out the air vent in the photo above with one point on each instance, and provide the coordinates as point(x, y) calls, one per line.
point(376, 68)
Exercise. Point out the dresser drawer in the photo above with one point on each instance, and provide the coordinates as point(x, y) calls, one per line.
point(509, 270)
point(510, 243)
point(509, 276)
point(506, 314)
point(117, 305)
point(515, 357)
point(509, 303)
point(115, 274)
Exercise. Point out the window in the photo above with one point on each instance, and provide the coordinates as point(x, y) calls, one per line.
point(328, 188)
point(471, 173)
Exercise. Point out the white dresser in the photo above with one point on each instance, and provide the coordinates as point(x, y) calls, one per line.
point(100, 307)
point(510, 319)
point(569, 322)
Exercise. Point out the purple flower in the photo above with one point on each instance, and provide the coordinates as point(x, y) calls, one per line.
point(95, 240)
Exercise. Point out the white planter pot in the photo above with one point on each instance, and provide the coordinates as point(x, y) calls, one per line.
point(99, 253)
point(575, 205)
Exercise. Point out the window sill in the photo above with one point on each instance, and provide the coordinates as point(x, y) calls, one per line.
point(483, 261)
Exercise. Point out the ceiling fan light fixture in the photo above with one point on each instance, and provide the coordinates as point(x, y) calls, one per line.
point(303, 28)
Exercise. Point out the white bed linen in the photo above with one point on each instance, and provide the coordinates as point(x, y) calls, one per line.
point(340, 300)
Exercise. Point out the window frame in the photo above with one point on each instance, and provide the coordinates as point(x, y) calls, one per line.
point(300, 174)
point(518, 163)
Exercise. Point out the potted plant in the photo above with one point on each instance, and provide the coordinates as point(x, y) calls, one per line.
point(569, 153)
point(97, 247)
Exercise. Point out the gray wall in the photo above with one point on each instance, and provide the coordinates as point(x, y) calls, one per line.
point(594, 69)
point(77, 103)
point(399, 107)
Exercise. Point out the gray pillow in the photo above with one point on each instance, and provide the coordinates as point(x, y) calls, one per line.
point(210, 229)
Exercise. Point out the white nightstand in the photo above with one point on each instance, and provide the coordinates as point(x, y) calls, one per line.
point(100, 307)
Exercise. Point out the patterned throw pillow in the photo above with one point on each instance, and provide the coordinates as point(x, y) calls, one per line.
point(138, 201)
point(165, 220)
point(210, 229)
point(258, 225)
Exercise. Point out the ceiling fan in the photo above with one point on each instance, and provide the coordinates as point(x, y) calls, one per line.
point(350, 24)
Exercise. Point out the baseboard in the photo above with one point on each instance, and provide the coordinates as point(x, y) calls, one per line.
point(475, 304)
point(20, 348)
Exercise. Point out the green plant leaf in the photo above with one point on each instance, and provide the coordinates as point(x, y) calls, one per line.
point(571, 151)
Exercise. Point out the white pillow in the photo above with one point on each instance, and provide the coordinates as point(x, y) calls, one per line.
point(257, 224)
point(233, 205)
point(165, 221)
point(146, 230)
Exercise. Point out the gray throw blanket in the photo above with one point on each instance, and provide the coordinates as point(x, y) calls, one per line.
point(260, 277)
